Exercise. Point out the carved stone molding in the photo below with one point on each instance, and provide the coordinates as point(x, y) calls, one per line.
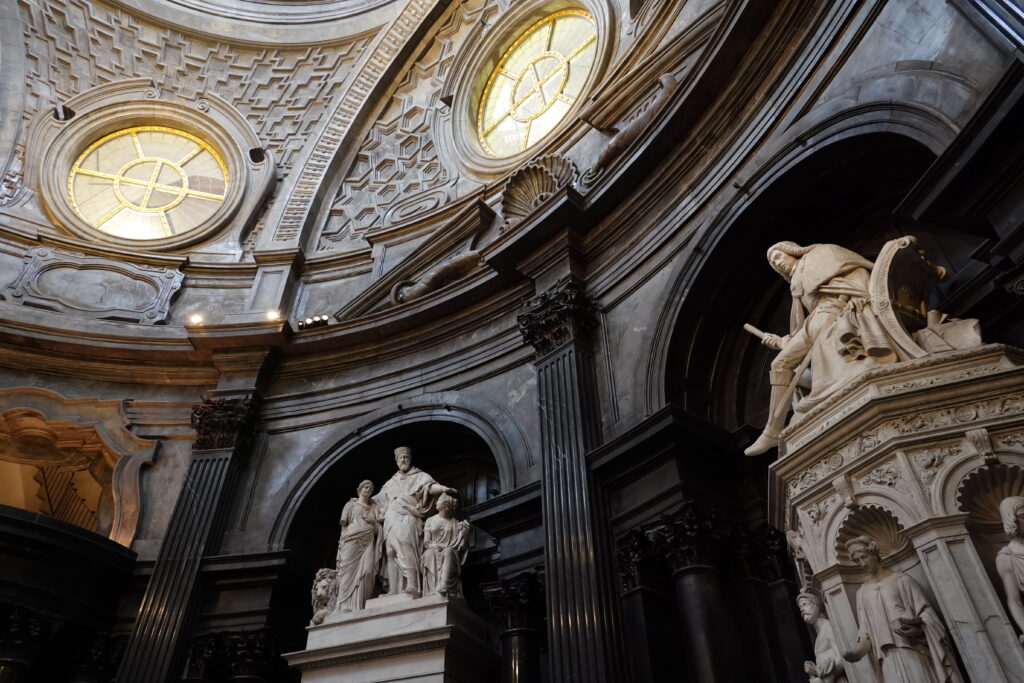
point(532, 185)
point(93, 287)
point(517, 601)
point(43, 429)
point(223, 422)
point(556, 316)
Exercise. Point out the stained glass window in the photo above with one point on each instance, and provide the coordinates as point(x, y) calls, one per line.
point(536, 82)
point(147, 183)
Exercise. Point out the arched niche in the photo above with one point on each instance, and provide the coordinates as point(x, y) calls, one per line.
point(844, 192)
point(452, 453)
point(979, 494)
point(72, 459)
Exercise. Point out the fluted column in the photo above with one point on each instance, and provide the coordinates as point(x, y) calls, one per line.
point(582, 621)
point(516, 602)
point(223, 428)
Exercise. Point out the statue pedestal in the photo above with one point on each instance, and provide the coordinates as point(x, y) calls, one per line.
point(916, 455)
point(398, 638)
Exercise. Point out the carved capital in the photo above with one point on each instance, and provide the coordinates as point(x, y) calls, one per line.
point(518, 601)
point(764, 552)
point(25, 633)
point(689, 536)
point(223, 422)
point(639, 562)
point(234, 655)
point(102, 658)
point(556, 316)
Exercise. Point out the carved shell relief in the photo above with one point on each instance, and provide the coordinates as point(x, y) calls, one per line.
point(533, 184)
point(980, 493)
point(873, 521)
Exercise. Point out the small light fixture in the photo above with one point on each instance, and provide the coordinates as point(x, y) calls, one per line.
point(273, 315)
point(315, 321)
point(195, 319)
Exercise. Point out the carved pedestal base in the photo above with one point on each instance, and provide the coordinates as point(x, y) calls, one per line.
point(917, 456)
point(397, 638)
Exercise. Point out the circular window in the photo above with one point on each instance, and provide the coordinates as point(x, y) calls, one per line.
point(536, 82)
point(147, 183)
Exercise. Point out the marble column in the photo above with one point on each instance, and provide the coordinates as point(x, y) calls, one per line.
point(223, 425)
point(583, 640)
point(516, 603)
point(690, 539)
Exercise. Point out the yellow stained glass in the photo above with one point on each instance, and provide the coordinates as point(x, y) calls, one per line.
point(147, 182)
point(536, 82)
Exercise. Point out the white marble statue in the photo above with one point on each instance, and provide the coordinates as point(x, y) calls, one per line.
point(832, 328)
point(898, 628)
point(359, 549)
point(1010, 560)
point(406, 500)
point(325, 594)
point(445, 547)
point(828, 664)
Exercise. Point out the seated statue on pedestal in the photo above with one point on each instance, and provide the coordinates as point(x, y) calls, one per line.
point(849, 315)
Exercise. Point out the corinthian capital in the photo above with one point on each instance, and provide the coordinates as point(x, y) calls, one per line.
point(558, 315)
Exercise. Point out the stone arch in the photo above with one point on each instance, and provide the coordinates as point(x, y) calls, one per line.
point(33, 423)
point(875, 521)
point(492, 425)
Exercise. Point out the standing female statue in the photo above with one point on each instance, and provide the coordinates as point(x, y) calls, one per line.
point(359, 549)
point(898, 627)
point(1010, 560)
point(445, 546)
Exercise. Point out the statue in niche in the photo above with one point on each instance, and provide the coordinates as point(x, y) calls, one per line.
point(359, 549)
point(325, 593)
point(828, 663)
point(406, 500)
point(445, 547)
point(1010, 560)
point(848, 316)
point(899, 629)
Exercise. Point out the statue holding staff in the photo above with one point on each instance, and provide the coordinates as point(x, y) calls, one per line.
point(833, 329)
point(406, 500)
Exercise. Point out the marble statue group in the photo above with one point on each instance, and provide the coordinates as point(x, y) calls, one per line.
point(393, 537)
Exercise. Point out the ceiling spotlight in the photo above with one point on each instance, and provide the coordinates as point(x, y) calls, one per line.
point(273, 315)
point(195, 319)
